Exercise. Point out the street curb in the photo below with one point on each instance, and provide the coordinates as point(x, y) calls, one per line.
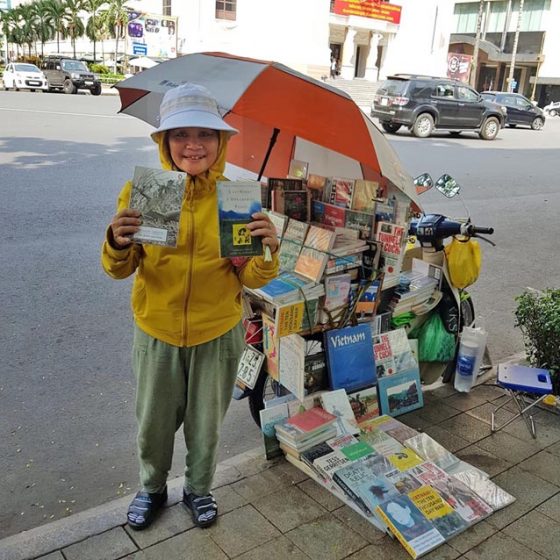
point(58, 534)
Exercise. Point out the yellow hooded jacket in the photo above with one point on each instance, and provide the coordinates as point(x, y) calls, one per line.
point(187, 295)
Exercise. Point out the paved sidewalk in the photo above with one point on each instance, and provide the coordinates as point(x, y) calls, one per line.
point(270, 510)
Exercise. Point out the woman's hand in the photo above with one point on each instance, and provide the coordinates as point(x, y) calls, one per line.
point(124, 225)
point(261, 226)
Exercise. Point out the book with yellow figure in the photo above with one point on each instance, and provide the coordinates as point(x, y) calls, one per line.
point(405, 459)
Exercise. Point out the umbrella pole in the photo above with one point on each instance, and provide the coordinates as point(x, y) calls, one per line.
point(275, 133)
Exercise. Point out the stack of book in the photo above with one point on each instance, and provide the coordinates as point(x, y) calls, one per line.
point(414, 290)
point(305, 430)
point(288, 287)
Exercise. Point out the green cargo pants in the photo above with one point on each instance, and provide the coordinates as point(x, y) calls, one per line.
point(189, 386)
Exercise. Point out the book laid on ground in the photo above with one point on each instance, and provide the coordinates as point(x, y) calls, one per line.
point(313, 257)
point(350, 360)
point(237, 202)
point(431, 450)
point(337, 403)
point(409, 525)
point(158, 195)
point(391, 426)
point(400, 393)
point(491, 493)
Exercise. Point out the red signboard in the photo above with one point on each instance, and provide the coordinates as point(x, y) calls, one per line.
point(374, 9)
point(459, 66)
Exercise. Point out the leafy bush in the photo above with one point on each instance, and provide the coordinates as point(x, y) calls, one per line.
point(99, 68)
point(538, 316)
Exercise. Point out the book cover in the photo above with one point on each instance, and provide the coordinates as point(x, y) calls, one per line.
point(496, 497)
point(285, 184)
point(375, 490)
point(316, 377)
point(339, 442)
point(350, 360)
point(358, 450)
point(317, 211)
point(158, 195)
point(445, 519)
point(405, 459)
point(416, 533)
point(291, 364)
point(432, 451)
point(365, 404)
point(288, 318)
point(237, 201)
point(329, 464)
point(315, 452)
point(384, 360)
point(400, 393)
point(335, 303)
point(294, 204)
point(292, 243)
point(334, 216)
point(343, 189)
point(270, 346)
point(280, 221)
point(361, 222)
point(365, 195)
point(385, 211)
point(383, 443)
point(313, 257)
point(298, 169)
point(392, 239)
point(316, 185)
point(336, 402)
point(312, 419)
point(368, 297)
point(391, 426)
point(269, 418)
point(249, 366)
point(402, 481)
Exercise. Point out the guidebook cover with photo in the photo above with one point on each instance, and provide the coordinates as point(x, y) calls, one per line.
point(158, 195)
point(237, 202)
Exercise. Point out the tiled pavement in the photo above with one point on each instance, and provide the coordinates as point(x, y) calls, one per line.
point(270, 510)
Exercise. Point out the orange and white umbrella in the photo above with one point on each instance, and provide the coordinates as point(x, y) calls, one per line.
point(281, 115)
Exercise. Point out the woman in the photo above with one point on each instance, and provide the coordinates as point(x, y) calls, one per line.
point(186, 303)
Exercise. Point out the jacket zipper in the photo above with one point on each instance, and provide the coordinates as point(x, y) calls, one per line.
point(190, 247)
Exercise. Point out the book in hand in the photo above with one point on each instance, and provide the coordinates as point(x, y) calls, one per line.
point(237, 202)
point(158, 195)
point(414, 531)
point(350, 360)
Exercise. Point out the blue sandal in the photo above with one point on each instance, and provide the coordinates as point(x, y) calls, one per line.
point(143, 509)
point(204, 509)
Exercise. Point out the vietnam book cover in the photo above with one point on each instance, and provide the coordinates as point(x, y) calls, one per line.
point(158, 195)
point(237, 201)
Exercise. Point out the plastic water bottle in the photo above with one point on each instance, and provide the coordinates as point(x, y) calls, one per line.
point(471, 351)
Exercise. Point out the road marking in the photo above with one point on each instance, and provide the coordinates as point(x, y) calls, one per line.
point(64, 113)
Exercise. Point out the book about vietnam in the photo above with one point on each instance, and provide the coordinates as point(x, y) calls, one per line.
point(237, 202)
point(350, 359)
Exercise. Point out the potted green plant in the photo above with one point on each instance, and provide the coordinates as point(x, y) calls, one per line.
point(538, 317)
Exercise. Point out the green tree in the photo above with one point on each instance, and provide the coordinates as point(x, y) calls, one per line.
point(56, 15)
point(44, 27)
point(116, 15)
point(74, 23)
point(95, 27)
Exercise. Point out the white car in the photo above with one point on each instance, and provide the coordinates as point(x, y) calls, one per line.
point(21, 75)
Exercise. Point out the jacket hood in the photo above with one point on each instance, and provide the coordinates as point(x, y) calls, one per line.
point(209, 178)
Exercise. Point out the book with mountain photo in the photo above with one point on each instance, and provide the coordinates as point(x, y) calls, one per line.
point(158, 195)
point(237, 201)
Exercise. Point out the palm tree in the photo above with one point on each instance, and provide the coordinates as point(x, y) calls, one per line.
point(56, 14)
point(116, 16)
point(74, 24)
point(44, 27)
point(95, 25)
point(26, 23)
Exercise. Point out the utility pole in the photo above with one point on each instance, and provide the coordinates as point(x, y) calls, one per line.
point(474, 62)
point(510, 79)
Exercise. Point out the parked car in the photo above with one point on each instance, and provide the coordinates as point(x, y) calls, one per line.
point(70, 75)
point(426, 103)
point(519, 109)
point(21, 75)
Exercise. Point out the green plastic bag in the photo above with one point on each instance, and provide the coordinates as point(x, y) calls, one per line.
point(435, 344)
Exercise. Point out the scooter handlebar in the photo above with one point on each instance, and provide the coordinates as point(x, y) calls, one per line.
point(473, 230)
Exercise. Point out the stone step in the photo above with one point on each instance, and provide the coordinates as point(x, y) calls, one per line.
point(360, 90)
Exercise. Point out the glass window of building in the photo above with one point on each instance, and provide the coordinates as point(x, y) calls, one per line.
point(226, 9)
point(166, 7)
point(465, 16)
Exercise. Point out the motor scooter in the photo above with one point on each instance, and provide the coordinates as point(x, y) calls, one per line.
point(428, 233)
point(552, 109)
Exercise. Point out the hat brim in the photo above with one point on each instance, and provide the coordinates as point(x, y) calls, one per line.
point(200, 119)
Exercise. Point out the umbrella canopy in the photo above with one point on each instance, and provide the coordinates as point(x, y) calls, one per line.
point(143, 62)
point(308, 119)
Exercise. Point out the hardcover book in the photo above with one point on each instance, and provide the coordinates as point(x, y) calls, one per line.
point(364, 404)
point(313, 257)
point(237, 201)
point(400, 393)
point(158, 195)
point(350, 360)
point(294, 204)
point(416, 533)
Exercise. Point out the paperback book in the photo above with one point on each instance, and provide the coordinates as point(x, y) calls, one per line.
point(337, 403)
point(400, 393)
point(365, 404)
point(313, 257)
point(249, 366)
point(292, 243)
point(291, 364)
point(158, 195)
point(269, 418)
point(237, 201)
point(365, 195)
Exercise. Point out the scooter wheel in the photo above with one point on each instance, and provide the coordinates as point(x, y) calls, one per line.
point(263, 390)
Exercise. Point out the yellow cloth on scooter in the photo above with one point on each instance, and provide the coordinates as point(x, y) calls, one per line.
point(463, 261)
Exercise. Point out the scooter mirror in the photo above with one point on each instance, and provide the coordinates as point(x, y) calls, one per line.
point(423, 183)
point(447, 186)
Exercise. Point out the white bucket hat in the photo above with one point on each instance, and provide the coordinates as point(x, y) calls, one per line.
point(190, 105)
